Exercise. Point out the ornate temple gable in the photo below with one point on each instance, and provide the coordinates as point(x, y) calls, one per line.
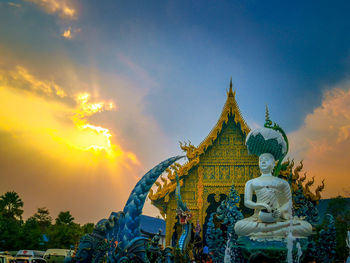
point(230, 117)
point(230, 109)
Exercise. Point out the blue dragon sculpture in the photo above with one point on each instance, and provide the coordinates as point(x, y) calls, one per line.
point(93, 247)
point(184, 215)
point(129, 227)
point(122, 227)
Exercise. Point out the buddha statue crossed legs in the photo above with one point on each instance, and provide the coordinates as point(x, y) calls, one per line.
point(272, 217)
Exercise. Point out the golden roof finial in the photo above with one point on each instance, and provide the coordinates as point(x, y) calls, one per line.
point(231, 93)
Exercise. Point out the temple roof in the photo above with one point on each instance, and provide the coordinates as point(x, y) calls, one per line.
point(230, 108)
point(152, 225)
point(193, 153)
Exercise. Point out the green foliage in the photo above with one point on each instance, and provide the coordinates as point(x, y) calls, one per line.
point(339, 207)
point(10, 220)
point(327, 241)
point(31, 235)
point(87, 228)
point(10, 230)
point(16, 234)
point(11, 205)
point(42, 216)
point(64, 218)
point(215, 239)
point(64, 233)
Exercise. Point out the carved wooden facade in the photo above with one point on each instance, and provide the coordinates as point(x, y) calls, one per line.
point(218, 162)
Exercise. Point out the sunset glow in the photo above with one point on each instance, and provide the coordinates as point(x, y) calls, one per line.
point(30, 111)
point(93, 94)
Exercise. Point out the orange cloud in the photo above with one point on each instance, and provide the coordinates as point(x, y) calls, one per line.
point(64, 8)
point(67, 33)
point(60, 129)
point(66, 147)
point(324, 143)
point(20, 78)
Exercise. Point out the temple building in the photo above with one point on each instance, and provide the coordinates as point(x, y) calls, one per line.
point(219, 161)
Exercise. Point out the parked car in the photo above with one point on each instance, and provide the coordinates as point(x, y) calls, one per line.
point(29, 256)
point(56, 255)
point(28, 260)
point(30, 253)
point(6, 257)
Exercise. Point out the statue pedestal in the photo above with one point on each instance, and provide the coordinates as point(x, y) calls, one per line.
point(276, 250)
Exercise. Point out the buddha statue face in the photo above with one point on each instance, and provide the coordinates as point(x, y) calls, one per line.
point(266, 163)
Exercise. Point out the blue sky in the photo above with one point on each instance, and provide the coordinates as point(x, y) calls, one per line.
point(167, 64)
point(273, 50)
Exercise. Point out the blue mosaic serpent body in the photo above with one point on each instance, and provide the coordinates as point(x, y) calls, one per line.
point(129, 227)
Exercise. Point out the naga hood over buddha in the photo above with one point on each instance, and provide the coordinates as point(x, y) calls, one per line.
point(273, 217)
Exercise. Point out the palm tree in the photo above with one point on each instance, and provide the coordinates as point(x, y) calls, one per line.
point(11, 205)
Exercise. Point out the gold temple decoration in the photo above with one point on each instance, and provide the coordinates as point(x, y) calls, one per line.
point(219, 161)
point(297, 181)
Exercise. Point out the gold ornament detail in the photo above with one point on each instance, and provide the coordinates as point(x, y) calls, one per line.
point(200, 187)
point(297, 180)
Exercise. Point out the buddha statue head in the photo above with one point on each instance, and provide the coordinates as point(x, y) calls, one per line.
point(266, 163)
point(270, 143)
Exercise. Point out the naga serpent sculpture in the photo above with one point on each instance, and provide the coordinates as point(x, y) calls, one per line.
point(123, 227)
point(184, 215)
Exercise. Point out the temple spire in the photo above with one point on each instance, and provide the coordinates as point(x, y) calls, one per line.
point(231, 93)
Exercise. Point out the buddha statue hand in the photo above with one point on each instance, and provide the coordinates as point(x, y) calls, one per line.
point(276, 213)
point(262, 206)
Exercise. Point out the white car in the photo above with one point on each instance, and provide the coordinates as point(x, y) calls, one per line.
point(29, 256)
point(56, 255)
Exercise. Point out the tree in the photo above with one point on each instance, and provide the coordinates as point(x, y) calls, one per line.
point(42, 216)
point(64, 233)
point(34, 229)
point(31, 235)
point(10, 220)
point(327, 241)
point(215, 239)
point(11, 205)
point(87, 228)
point(10, 230)
point(64, 218)
point(339, 208)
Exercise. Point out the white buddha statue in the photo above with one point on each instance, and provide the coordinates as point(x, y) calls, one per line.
point(272, 217)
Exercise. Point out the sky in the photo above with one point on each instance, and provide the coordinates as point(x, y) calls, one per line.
point(93, 94)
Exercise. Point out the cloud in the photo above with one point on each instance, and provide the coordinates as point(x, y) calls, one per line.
point(323, 141)
point(15, 4)
point(47, 132)
point(64, 8)
point(27, 113)
point(59, 137)
point(22, 79)
point(69, 33)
